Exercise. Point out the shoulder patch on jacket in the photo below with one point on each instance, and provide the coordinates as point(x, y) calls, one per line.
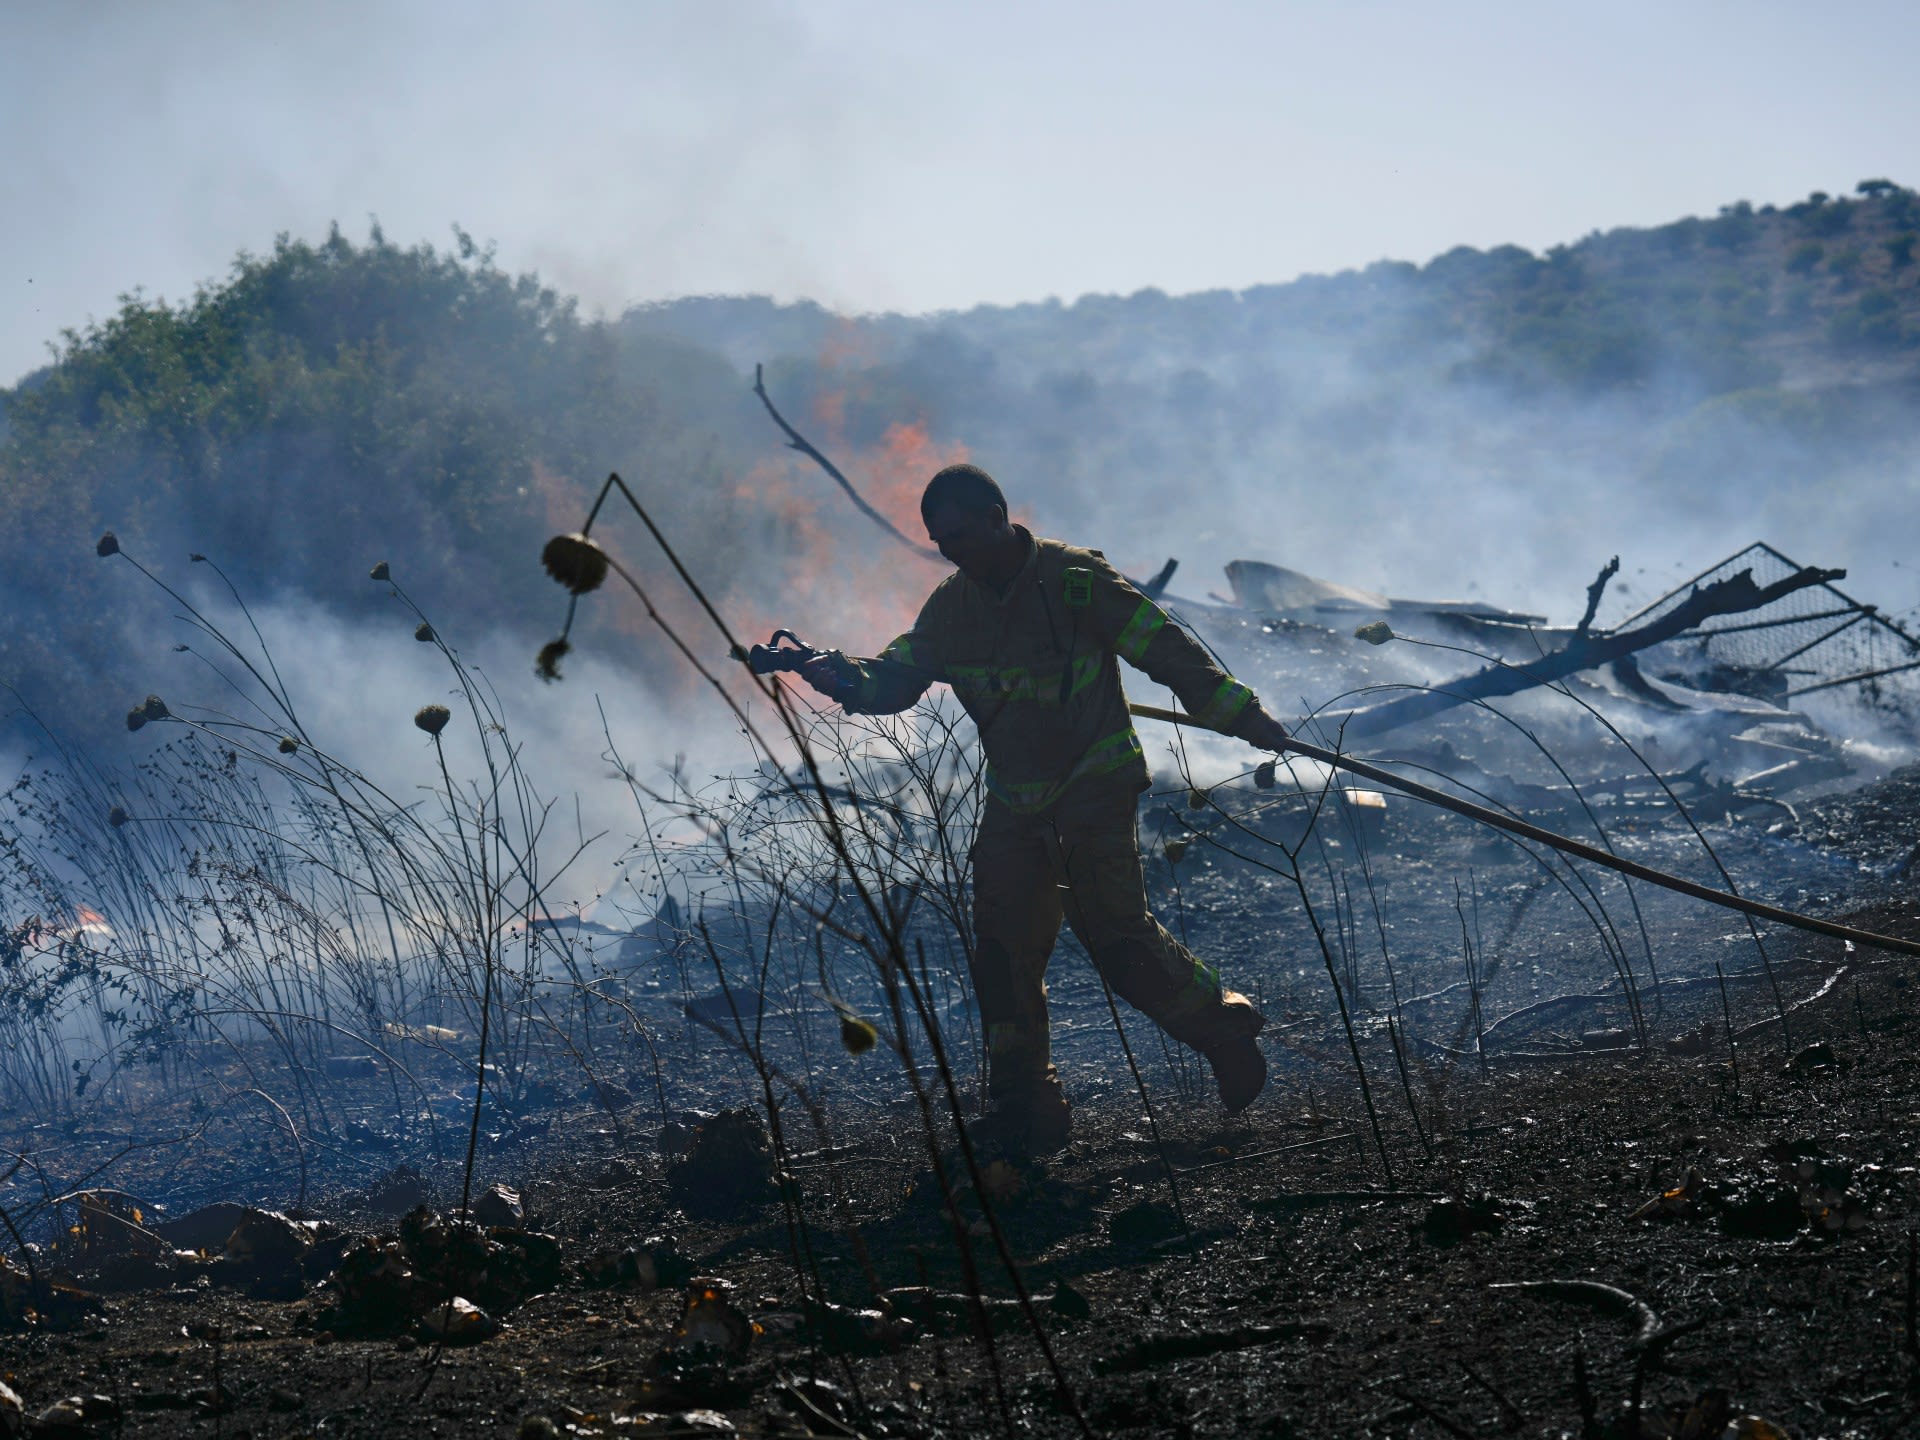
point(1079, 585)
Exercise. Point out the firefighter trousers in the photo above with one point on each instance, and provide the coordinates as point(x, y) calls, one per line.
point(1078, 860)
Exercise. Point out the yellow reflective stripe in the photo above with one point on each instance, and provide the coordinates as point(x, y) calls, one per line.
point(1016, 683)
point(1139, 632)
point(1056, 687)
point(1086, 670)
point(1228, 701)
point(1031, 795)
point(1103, 756)
point(1020, 682)
point(967, 679)
point(1201, 992)
point(1109, 753)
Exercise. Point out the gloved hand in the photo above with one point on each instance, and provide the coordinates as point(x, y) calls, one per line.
point(832, 675)
point(1260, 729)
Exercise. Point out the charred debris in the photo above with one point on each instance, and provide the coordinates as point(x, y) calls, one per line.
point(1757, 680)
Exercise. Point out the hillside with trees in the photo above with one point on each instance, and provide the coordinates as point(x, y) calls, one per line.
point(327, 407)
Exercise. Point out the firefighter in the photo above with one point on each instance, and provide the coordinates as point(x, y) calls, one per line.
point(1028, 633)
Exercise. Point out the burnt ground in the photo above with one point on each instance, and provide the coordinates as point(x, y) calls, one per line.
point(1302, 1287)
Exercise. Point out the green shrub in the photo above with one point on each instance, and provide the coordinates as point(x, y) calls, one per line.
point(1831, 219)
point(1733, 228)
point(1805, 257)
point(1871, 322)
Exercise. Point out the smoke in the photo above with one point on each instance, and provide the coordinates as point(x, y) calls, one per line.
point(1328, 452)
point(1452, 492)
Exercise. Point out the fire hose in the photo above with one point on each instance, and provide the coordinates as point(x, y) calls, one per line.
point(773, 656)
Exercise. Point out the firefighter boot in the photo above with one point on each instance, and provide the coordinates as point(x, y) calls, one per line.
point(1239, 1069)
point(1023, 1127)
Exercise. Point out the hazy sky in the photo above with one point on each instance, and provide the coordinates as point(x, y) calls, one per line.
point(907, 156)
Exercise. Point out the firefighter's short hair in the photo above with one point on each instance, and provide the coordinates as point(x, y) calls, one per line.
point(964, 487)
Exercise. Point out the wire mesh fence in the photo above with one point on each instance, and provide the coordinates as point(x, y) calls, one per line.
point(1815, 640)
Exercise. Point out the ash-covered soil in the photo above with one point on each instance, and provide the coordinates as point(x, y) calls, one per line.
point(1586, 1188)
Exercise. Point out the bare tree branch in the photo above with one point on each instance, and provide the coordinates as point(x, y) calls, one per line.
point(797, 441)
point(1584, 651)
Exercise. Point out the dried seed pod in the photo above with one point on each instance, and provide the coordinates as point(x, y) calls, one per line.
point(1263, 775)
point(432, 718)
point(1199, 799)
point(1175, 850)
point(576, 562)
point(857, 1035)
point(107, 544)
point(380, 572)
point(288, 744)
point(547, 667)
point(423, 632)
point(1374, 632)
point(151, 708)
point(117, 817)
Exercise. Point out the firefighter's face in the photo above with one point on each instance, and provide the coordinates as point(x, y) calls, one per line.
point(969, 538)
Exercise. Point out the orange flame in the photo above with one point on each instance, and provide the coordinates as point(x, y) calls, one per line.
point(783, 547)
point(843, 583)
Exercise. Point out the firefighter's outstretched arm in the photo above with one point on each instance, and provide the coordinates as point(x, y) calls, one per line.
point(892, 681)
point(1140, 634)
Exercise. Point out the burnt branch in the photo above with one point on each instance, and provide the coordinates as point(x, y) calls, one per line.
point(797, 441)
point(1595, 591)
point(1732, 596)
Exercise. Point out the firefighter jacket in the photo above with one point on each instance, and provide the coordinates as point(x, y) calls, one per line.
point(1036, 669)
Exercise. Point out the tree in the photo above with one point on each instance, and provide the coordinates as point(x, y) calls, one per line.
point(1805, 257)
point(1874, 189)
point(1734, 226)
point(1872, 321)
point(1831, 219)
